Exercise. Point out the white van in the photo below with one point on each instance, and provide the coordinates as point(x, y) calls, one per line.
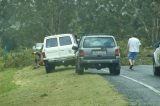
point(58, 51)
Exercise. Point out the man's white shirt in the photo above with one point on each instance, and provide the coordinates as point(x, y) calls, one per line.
point(133, 44)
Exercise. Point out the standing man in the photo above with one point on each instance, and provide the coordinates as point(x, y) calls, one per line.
point(133, 50)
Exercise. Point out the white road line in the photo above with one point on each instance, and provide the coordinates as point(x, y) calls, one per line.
point(145, 85)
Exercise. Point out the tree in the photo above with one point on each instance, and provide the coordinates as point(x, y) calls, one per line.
point(25, 22)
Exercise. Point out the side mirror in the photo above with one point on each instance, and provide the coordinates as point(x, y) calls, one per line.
point(156, 45)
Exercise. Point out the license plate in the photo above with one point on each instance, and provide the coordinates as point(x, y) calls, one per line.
point(99, 52)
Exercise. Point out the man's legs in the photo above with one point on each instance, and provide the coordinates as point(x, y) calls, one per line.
point(131, 63)
point(132, 56)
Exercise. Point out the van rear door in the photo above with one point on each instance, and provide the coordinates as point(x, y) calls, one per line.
point(51, 48)
point(65, 48)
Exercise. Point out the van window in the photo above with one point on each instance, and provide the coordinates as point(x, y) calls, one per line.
point(51, 42)
point(65, 40)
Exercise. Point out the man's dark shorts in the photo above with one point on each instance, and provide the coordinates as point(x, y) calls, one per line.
point(132, 55)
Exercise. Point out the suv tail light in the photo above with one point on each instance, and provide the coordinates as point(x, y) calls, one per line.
point(117, 52)
point(43, 54)
point(81, 53)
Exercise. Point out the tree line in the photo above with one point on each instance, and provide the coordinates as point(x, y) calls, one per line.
point(25, 22)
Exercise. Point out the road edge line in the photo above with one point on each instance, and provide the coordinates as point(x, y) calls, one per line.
point(141, 83)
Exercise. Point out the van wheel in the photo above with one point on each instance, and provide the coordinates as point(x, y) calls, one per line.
point(48, 67)
point(156, 70)
point(79, 69)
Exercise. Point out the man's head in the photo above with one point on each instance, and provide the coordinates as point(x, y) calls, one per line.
point(133, 35)
point(130, 36)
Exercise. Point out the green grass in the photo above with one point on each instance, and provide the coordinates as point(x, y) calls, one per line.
point(61, 88)
point(6, 78)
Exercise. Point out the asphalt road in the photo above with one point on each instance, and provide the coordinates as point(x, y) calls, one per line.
point(140, 86)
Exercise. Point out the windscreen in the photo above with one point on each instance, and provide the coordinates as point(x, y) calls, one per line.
point(93, 42)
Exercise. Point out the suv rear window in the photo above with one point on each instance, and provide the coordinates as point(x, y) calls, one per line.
point(51, 42)
point(65, 41)
point(92, 42)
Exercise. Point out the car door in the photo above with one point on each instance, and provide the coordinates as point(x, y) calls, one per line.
point(51, 48)
point(65, 48)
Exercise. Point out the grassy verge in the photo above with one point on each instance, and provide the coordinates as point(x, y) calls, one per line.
point(6, 78)
point(61, 88)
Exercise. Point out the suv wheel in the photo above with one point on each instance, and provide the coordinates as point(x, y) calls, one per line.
point(114, 69)
point(79, 69)
point(156, 70)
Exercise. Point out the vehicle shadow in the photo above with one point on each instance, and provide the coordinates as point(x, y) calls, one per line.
point(63, 68)
point(97, 73)
point(102, 72)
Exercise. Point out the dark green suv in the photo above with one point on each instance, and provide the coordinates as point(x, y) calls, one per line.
point(97, 51)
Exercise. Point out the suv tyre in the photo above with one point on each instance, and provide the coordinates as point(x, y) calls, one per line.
point(79, 69)
point(117, 70)
point(114, 69)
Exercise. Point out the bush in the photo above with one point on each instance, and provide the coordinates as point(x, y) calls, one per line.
point(1, 67)
point(1, 52)
point(142, 58)
point(18, 59)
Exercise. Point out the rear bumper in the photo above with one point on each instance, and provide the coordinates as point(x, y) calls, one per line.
point(99, 63)
point(106, 61)
point(60, 61)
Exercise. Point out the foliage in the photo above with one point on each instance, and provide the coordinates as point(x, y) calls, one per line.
point(1, 67)
point(26, 22)
point(143, 56)
point(18, 59)
point(6, 78)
